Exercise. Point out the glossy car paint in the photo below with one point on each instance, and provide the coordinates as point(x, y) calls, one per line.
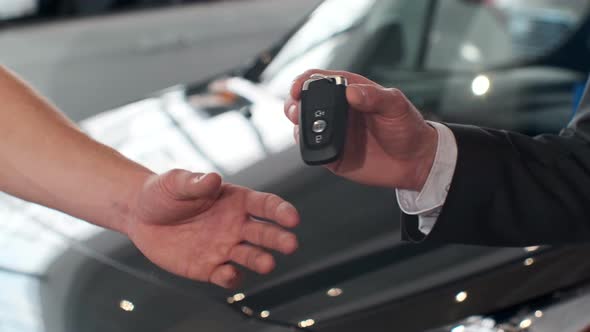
point(65, 275)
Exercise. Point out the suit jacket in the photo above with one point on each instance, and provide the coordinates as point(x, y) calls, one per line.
point(509, 189)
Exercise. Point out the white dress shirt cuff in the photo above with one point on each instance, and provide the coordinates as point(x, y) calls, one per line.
point(428, 203)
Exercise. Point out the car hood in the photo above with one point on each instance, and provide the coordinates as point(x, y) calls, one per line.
point(168, 130)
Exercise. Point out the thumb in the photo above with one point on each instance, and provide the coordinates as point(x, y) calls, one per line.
point(185, 185)
point(370, 98)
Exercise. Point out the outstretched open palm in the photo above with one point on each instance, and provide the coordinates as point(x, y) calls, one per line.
point(194, 226)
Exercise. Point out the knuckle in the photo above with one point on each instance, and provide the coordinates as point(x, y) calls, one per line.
point(308, 73)
point(239, 253)
point(271, 201)
point(373, 97)
point(266, 263)
point(272, 237)
point(167, 183)
point(233, 254)
point(393, 99)
point(216, 276)
point(290, 237)
point(224, 251)
point(251, 260)
point(174, 173)
point(196, 272)
point(394, 92)
point(396, 97)
point(282, 238)
point(262, 234)
point(248, 231)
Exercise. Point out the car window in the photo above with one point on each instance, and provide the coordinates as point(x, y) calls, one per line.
point(363, 32)
point(474, 35)
point(484, 34)
point(315, 42)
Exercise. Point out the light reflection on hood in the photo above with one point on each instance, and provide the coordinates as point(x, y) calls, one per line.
point(145, 131)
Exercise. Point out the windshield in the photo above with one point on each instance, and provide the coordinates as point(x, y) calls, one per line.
point(313, 45)
point(499, 32)
point(463, 36)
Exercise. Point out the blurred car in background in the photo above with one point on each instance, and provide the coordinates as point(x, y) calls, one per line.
point(11, 9)
point(88, 7)
point(457, 60)
point(536, 24)
point(15, 9)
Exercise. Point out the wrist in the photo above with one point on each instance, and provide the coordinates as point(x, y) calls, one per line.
point(128, 205)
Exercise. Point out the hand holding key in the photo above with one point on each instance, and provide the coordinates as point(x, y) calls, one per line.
point(387, 141)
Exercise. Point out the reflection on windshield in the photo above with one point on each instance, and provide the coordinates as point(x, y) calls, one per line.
point(499, 32)
point(328, 21)
point(331, 18)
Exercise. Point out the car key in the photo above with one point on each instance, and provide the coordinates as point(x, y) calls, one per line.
point(323, 119)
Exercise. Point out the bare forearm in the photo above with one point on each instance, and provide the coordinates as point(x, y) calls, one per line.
point(45, 159)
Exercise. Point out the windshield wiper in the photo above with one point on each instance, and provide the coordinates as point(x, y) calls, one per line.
point(319, 43)
point(253, 71)
point(4, 269)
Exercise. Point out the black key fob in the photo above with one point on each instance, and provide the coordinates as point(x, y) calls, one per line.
point(323, 119)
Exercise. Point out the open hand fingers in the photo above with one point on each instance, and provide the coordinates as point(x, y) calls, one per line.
point(271, 207)
point(253, 258)
point(226, 276)
point(269, 236)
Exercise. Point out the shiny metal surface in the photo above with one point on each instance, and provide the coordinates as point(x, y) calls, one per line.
point(319, 126)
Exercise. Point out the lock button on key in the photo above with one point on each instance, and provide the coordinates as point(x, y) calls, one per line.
point(319, 126)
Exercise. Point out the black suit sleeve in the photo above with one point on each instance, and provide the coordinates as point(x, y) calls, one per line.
point(510, 189)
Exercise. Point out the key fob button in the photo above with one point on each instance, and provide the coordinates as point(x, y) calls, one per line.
point(318, 139)
point(319, 114)
point(319, 126)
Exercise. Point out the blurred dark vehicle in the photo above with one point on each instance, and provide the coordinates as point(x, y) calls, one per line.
point(479, 62)
point(19, 9)
point(88, 7)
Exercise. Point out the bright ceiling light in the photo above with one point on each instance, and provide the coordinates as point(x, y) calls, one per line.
point(480, 85)
point(333, 292)
point(459, 328)
point(460, 297)
point(526, 323)
point(306, 323)
point(239, 297)
point(529, 261)
point(126, 305)
point(265, 314)
point(470, 53)
point(247, 311)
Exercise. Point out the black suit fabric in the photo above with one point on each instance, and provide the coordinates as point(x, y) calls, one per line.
point(509, 189)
